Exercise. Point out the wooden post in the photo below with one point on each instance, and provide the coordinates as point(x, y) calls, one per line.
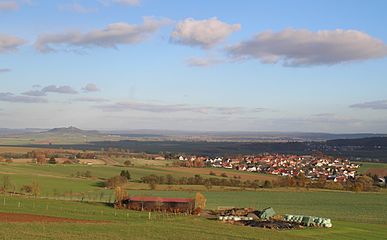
point(149, 216)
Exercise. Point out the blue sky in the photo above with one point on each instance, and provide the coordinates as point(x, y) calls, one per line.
point(311, 66)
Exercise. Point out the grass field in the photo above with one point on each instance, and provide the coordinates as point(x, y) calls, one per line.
point(350, 220)
point(365, 166)
point(15, 149)
point(354, 215)
point(60, 178)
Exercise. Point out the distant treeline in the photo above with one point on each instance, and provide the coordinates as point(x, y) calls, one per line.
point(362, 183)
point(202, 148)
point(365, 149)
point(372, 142)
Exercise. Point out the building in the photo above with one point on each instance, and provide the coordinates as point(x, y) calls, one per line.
point(141, 203)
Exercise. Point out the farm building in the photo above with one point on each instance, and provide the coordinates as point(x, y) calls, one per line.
point(140, 203)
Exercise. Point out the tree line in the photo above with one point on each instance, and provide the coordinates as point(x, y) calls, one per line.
point(152, 180)
point(361, 183)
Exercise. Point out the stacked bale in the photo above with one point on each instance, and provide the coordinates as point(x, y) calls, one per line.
point(234, 218)
point(309, 221)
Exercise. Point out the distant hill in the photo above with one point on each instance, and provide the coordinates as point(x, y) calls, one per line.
point(71, 130)
point(9, 131)
point(237, 136)
point(176, 135)
point(63, 135)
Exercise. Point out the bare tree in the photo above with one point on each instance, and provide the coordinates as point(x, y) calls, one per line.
point(200, 200)
point(35, 188)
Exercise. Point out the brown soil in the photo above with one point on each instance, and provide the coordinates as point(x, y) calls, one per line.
point(381, 172)
point(21, 217)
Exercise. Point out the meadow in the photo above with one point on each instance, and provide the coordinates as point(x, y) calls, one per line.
point(355, 216)
point(61, 179)
point(365, 166)
point(63, 194)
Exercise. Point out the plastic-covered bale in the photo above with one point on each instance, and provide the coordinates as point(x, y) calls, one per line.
point(307, 221)
point(252, 216)
point(267, 213)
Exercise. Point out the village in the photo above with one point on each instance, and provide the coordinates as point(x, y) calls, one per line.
point(312, 167)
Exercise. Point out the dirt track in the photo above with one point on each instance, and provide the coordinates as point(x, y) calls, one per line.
point(21, 217)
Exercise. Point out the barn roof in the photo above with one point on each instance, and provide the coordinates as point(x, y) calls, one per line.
point(160, 199)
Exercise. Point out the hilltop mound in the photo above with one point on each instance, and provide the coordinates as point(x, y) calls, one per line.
point(71, 130)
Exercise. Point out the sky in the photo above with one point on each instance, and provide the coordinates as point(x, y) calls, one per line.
point(294, 66)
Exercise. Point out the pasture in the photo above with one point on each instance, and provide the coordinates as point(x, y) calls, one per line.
point(355, 216)
point(365, 166)
point(61, 179)
point(63, 194)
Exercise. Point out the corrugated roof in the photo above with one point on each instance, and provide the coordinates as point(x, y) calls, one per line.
point(160, 199)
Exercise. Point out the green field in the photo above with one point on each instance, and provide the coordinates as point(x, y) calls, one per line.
point(362, 218)
point(365, 166)
point(61, 178)
point(354, 215)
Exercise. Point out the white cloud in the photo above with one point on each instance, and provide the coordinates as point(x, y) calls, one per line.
point(203, 33)
point(121, 2)
point(9, 5)
point(35, 93)
point(147, 107)
point(376, 105)
point(171, 108)
point(76, 8)
point(90, 99)
point(9, 43)
point(13, 5)
point(59, 89)
point(90, 87)
point(203, 61)
point(4, 70)
point(51, 89)
point(10, 97)
point(300, 47)
point(108, 37)
point(127, 2)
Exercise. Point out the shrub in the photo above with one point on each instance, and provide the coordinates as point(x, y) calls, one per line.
point(116, 181)
point(125, 174)
point(52, 160)
point(268, 184)
point(152, 185)
point(26, 189)
point(127, 163)
point(86, 174)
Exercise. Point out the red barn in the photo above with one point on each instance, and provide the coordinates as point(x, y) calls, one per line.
point(142, 203)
